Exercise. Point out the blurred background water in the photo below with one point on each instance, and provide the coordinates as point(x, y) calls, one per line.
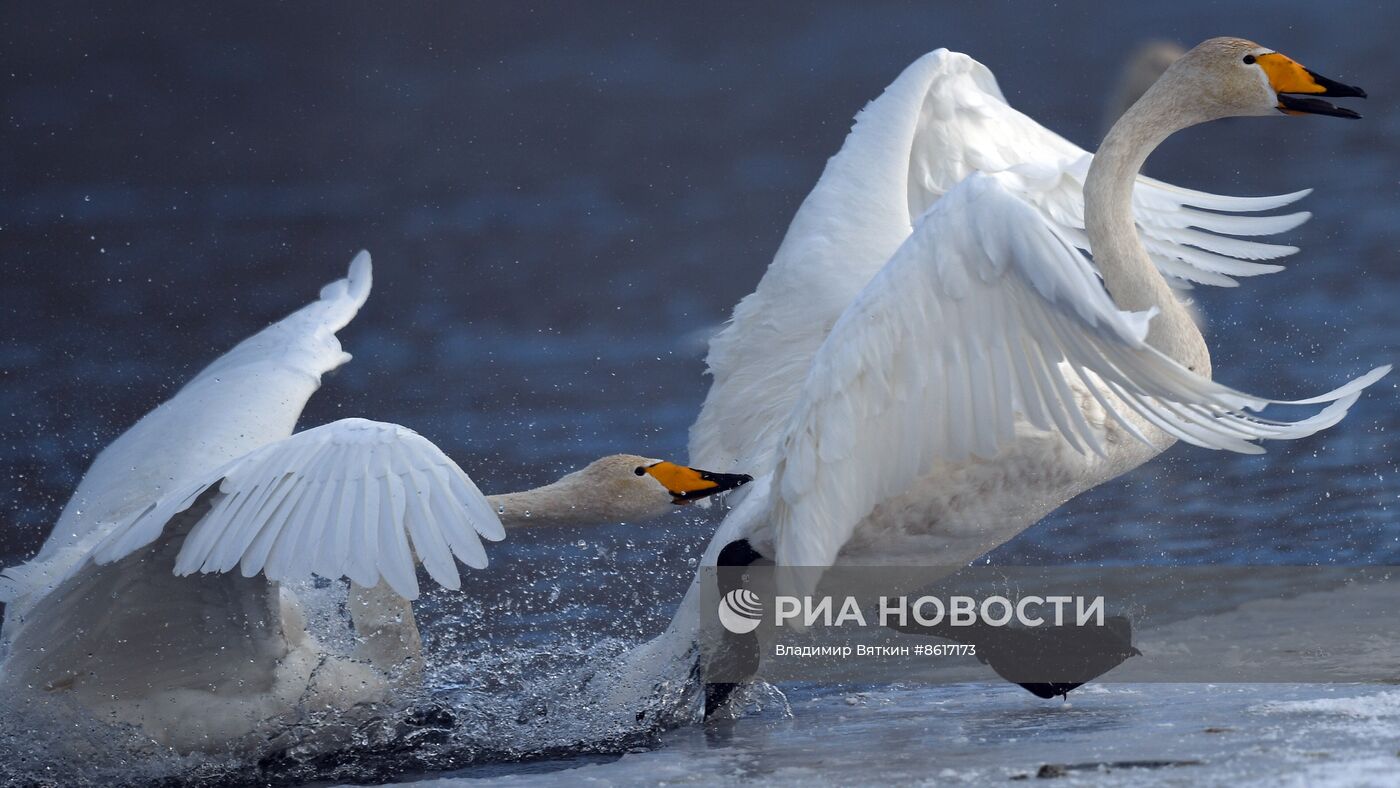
point(562, 200)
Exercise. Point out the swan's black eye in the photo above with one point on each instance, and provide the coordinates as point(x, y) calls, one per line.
point(1249, 60)
point(640, 471)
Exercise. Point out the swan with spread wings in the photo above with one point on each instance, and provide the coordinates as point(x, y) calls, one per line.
point(161, 597)
point(933, 361)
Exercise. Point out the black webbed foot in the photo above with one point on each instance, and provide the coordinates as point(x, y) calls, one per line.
point(1071, 655)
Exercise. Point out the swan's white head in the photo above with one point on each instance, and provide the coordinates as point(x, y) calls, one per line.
point(1231, 77)
point(629, 487)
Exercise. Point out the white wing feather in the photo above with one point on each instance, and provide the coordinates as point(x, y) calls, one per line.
point(353, 498)
point(976, 322)
point(942, 120)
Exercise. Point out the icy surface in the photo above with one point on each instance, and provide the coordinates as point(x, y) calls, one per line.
point(979, 734)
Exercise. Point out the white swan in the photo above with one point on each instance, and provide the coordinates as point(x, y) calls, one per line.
point(930, 364)
point(133, 609)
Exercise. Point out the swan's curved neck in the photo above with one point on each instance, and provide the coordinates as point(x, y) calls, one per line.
point(1128, 273)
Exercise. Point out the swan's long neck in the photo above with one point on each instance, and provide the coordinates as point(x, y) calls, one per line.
point(1128, 273)
point(553, 504)
point(579, 499)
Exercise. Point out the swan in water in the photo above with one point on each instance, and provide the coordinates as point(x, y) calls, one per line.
point(931, 363)
point(133, 609)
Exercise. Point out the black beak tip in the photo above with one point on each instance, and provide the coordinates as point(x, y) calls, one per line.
point(1334, 89)
point(724, 482)
point(728, 481)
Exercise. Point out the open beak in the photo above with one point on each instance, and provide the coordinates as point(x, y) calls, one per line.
point(687, 485)
point(1297, 88)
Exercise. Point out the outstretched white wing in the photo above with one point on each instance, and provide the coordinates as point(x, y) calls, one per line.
point(981, 319)
point(1187, 244)
point(248, 397)
point(942, 120)
point(963, 125)
point(353, 498)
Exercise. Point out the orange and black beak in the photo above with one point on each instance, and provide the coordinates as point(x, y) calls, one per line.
point(1291, 81)
point(687, 485)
